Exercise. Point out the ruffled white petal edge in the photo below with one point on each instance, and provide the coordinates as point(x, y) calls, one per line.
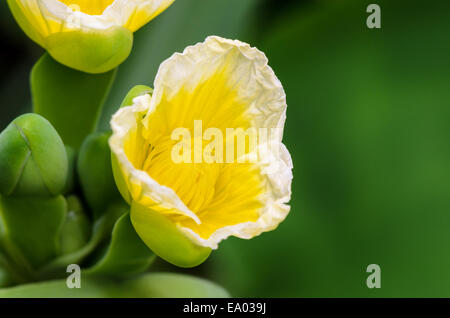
point(123, 11)
point(119, 13)
point(252, 77)
point(278, 173)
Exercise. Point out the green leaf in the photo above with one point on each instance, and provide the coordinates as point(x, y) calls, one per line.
point(31, 227)
point(69, 99)
point(58, 289)
point(95, 172)
point(126, 254)
point(156, 285)
point(169, 285)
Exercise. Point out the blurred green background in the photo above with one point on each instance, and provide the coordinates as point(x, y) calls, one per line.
point(368, 128)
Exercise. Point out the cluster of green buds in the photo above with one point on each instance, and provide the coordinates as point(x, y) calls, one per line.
point(33, 172)
point(46, 222)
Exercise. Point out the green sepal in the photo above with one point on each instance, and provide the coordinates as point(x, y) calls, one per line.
point(87, 50)
point(136, 91)
point(91, 51)
point(126, 254)
point(157, 285)
point(164, 238)
point(95, 173)
point(121, 184)
point(69, 99)
point(31, 226)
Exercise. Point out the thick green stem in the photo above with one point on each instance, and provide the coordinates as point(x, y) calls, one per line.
point(71, 100)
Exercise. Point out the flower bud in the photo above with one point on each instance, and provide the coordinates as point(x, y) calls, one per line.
point(95, 173)
point(76, 229)
point(71, 171)
point(33, 160)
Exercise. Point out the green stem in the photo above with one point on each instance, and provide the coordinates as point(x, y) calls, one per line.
point(71, 100)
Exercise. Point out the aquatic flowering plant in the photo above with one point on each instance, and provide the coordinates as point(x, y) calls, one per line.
point(188, 163)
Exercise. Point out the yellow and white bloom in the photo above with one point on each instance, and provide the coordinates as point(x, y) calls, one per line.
point(182, 210)
point(93, 36)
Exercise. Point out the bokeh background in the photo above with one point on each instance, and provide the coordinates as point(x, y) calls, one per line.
point(368, 129)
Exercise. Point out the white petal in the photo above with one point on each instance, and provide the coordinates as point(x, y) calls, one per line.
point(135, 13)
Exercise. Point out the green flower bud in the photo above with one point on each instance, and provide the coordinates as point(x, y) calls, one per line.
point(95, 173)
point(71, 172)
point(76, 229)
point(33, 160)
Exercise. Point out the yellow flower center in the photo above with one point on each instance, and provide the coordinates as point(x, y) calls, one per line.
point(193, 182)
point(220, 194)
point(91, 7)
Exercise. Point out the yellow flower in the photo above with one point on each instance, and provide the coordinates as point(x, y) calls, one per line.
point(188, 189)
point(93, 36)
